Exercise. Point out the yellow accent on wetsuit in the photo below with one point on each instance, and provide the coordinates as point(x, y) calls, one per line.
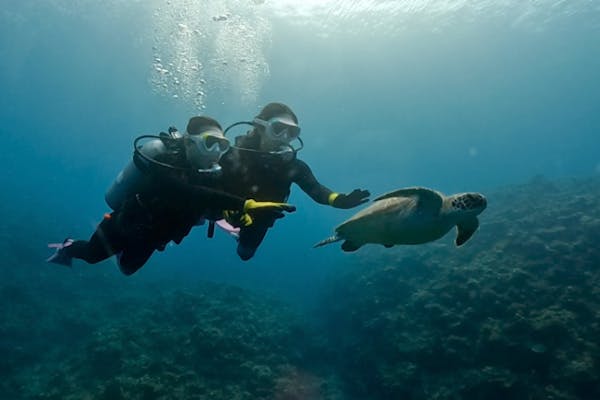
point(332, 198)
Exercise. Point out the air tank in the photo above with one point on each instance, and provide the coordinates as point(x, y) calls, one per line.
point(132, 179)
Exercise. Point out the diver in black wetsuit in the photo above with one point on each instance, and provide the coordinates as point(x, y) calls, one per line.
point(169, 187)
point(263, 165)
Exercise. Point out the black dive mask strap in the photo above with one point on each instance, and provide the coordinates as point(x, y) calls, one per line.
point(237, 124)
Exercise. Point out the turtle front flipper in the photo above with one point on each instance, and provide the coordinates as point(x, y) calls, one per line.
point(465, 229)
point(349, 246)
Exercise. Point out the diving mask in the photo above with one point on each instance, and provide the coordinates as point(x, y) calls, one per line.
point(279, 129)
point(209, 143)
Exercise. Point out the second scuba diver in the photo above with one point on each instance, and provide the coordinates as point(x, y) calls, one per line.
point(171, 185)
point(263, 165)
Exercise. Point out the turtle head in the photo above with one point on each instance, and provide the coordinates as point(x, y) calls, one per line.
point(464, 208)
point(468, 203)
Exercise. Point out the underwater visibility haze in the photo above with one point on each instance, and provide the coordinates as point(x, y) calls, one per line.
point(496, 97)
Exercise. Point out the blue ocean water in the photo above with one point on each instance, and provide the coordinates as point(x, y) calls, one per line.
point(452, 95)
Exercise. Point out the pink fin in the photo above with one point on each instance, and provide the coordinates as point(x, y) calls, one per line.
point(227, 227)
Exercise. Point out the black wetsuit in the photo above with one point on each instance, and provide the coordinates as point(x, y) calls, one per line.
point(165, 210)
point(264, 177)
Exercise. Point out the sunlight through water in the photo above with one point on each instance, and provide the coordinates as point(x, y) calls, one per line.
point(208, 49)
point(202, 47)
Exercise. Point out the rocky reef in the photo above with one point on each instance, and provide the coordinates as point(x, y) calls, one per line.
point(515, 313)
point(212, 342)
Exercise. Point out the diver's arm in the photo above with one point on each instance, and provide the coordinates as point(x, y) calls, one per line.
point(208, 197)
point(304, 177)
point(204, 195)
point(215, 199)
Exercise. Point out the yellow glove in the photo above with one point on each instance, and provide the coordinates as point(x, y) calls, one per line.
point(237, 218)
point(253, 205)
point(245, 219)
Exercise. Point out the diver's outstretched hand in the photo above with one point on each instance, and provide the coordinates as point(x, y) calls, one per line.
point(351, 200)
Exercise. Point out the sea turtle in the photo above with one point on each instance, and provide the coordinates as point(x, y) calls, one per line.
point(412, 215)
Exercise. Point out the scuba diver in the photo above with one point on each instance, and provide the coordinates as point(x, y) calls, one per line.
point(172, 184)
point(263, 164)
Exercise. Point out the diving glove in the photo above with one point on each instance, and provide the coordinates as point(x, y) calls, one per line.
point(355, 198)
point(253, 205)
point(261, 209)
point(237, 218)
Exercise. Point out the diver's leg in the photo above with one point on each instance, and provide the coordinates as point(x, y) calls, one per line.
point(132, 259)
point(105, 242)
point(250, 237)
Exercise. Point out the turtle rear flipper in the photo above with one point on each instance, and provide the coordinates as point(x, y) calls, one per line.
point(349, 246)
point(465, 229)
point(331, 239)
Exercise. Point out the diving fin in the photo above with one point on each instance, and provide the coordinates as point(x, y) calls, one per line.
point(60, 257)
point(227, 227)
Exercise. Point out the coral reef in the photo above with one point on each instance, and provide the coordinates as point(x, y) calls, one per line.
point(512, 314)
point(213, 342)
